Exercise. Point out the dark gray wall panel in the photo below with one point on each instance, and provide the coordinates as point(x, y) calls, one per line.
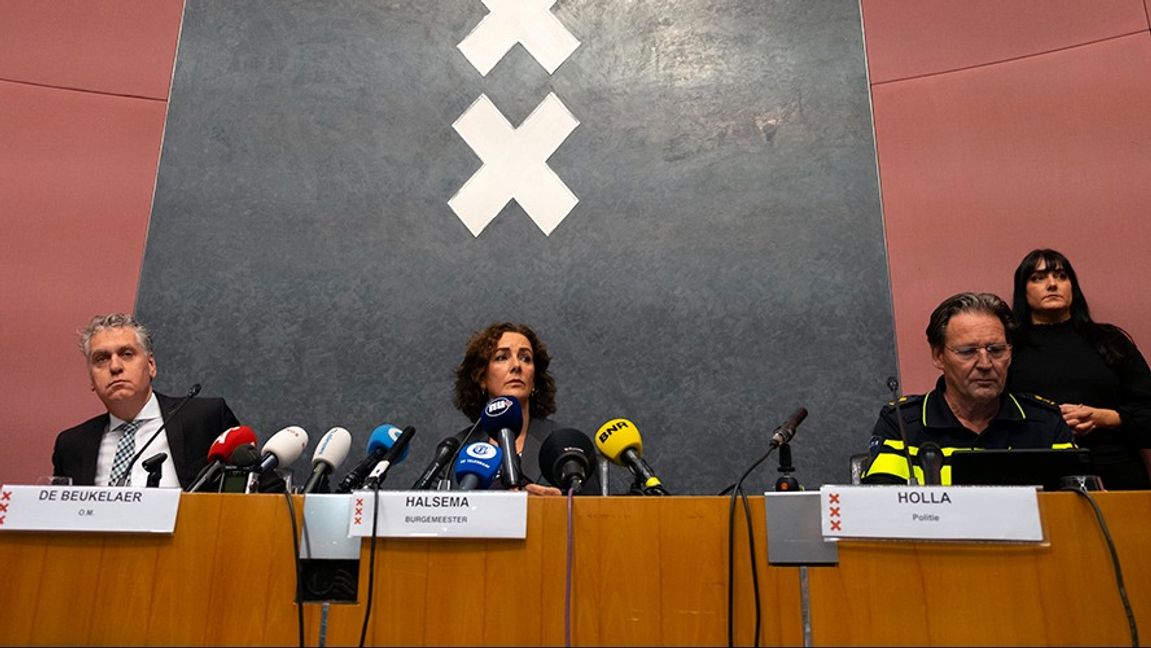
point(725, 262)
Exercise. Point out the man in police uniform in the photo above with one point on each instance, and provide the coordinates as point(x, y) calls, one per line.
point(970, 338)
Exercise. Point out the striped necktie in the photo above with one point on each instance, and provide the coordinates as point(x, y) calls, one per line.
point(124, 450)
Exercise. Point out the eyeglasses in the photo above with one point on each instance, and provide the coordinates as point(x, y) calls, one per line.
point(995, 351)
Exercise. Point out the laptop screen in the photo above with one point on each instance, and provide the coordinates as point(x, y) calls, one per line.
point(1020, 467)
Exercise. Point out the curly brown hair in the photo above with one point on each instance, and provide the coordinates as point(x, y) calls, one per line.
point(470, 398)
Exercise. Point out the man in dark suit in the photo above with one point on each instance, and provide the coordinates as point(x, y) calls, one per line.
point(118, 351)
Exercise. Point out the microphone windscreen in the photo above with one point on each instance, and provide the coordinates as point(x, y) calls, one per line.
point(229, 440)
point(245, 456)
point(562, 446)
point(481, 459)
point(287, 444)
point(502, 413)
point(384, 437)
point(618, 435)
point(333, 447)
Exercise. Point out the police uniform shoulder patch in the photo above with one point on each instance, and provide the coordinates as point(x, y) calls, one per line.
point(1036, 399)
point(904, 401)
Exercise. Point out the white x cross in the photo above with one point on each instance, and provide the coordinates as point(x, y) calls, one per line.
point(529, 22)
point(514, 164)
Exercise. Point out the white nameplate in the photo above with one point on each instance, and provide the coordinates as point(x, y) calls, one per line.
point(1004, 513)
point(88, 508)
point(441, 514)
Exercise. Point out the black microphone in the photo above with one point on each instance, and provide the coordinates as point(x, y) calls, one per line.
point(931, 461)
point(395, 454)
point(445, 451)
point(567, 459)
point(893, 385)
point(503, 420)
point(785, 432)
point(163, 423)
point(155, 467)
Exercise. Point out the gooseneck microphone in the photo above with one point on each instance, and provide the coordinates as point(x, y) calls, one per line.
point(477, 466)
point(397, 453)
point(219, 453)
point(567, 459)
point(444, 453)
point(619, 440)
point(380, 441)
point(503, 419)
point(783, 434)
point(893, 385)
point(163, 424)
point(330, 453)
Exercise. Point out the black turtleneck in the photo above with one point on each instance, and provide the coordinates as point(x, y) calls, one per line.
point(1056, 362)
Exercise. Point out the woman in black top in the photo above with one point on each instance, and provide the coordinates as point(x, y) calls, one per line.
point(1093, 370)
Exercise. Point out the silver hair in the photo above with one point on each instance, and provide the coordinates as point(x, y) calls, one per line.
point(112, 321)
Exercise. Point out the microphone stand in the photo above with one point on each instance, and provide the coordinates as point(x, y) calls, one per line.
point(893, 385)
point(163, 423)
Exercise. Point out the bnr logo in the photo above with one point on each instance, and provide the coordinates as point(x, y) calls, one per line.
point(607, 432)
point(499, 405)
point(482, 450)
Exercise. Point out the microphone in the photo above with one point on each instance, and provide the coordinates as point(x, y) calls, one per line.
point(619, 440)
point(893, 385)
point(163, 422)
point(155, 467)
point(245, 456)
point(477, 465)
point(381, 439)
point(330, 453)
point(283, 448)
point(397, 453)
point(219, 453)
point(567, 458)
point(785, 432)
point(503, 420)
point(444, 453)
point(931, 461)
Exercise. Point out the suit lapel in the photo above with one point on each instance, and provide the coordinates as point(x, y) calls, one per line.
point(90, 442)
point(174, 429)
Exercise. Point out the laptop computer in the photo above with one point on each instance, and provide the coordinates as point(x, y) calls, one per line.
point(1020, 467)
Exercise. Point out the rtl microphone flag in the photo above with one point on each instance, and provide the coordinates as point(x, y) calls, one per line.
point(220, 452)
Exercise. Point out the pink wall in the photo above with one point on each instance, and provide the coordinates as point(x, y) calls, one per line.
point(83, 96)
point(1002, 127)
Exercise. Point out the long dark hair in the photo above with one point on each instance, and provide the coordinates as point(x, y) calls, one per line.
point(1109, 340)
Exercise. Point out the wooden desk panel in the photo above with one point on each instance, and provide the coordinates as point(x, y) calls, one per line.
point(647, 571)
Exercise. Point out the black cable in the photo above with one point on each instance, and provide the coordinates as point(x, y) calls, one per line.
point(737, 489)
point(754, 569)
point(371, 564)
point(568, 570)
point(299, 567)
point(1131, 626)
